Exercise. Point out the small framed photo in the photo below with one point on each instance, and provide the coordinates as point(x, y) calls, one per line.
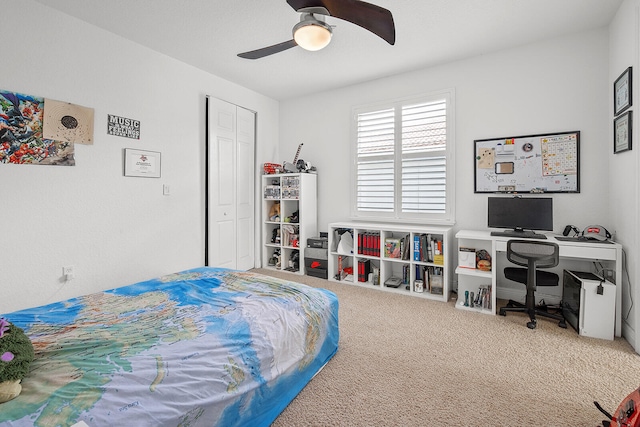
point(622, 133)
point(141, 163)
point(622, 92)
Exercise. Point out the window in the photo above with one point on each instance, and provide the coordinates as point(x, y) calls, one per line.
point(403, 165)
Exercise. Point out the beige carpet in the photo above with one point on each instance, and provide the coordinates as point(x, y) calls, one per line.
point(406, 361)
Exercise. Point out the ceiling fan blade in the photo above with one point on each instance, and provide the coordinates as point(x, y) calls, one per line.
point(270, 50)
point(374, 18)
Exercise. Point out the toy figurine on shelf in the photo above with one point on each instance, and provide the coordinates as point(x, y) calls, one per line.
point(275, 237)
point(293, 218)
point(274, 261)
point(298, 165)
point(483, 260)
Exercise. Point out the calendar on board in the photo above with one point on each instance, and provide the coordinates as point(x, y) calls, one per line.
point(544, 163)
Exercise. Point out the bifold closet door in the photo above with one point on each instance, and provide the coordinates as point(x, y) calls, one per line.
point(230, 185)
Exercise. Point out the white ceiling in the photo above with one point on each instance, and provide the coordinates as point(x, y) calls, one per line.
point(208, 34)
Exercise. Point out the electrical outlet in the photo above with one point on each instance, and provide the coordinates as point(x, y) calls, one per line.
point(68, 273)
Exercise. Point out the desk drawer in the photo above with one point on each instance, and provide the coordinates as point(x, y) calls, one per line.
point(590, 251)
point(586, 250)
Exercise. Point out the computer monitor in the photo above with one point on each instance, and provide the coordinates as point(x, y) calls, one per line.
point(520, 214)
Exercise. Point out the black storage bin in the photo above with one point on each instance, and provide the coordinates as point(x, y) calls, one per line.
point(316, 267)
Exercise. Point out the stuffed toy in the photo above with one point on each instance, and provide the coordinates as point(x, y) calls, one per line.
point(274, 212)
point(16, 355)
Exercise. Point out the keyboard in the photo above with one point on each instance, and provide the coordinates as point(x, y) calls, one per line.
point(569, 239)
point(519, 234)
point(580, 239)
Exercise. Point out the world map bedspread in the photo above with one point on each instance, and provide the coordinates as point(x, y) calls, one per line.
point(203, 347)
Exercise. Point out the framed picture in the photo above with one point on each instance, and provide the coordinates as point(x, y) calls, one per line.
point(141, 163)
point(622, 133)
point(622, 92)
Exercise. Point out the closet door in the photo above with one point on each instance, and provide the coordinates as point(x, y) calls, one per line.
point(245, 193)
point(230, 185)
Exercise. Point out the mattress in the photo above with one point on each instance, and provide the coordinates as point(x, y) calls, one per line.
point(203, 347)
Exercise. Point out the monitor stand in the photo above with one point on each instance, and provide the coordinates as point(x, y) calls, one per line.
point(519, 233)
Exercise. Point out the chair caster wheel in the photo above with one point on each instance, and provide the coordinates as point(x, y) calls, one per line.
point(502, 312)
point(532, 324)
point(562, 324)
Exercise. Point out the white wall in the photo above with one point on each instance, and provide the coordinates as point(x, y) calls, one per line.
point(624, 191)
point(113, 230)
point(563, 84)
point(558, 85)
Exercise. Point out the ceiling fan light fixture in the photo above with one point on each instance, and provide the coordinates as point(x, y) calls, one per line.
point(312, 34)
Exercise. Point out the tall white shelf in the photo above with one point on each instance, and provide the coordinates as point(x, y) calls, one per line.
point(388, 266)
point(295, 192)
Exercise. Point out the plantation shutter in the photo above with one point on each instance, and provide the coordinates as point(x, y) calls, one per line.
point(375, 169)
point(401, 159)
point(424, 143)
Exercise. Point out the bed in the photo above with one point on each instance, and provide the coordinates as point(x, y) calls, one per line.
point(203, 347)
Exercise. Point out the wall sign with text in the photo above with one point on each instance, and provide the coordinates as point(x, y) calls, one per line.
point(122, 126)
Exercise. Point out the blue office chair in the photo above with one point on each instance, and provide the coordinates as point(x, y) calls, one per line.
point(533, 255)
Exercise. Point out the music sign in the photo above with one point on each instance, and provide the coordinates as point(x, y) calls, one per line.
point(122, 126)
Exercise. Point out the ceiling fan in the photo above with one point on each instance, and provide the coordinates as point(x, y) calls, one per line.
point(313, 33)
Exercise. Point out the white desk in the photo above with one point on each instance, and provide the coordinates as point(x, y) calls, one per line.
point(470, 279)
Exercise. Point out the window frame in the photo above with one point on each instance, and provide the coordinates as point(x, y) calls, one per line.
point(446, 218)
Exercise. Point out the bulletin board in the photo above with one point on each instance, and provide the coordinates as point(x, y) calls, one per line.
point(544, 163)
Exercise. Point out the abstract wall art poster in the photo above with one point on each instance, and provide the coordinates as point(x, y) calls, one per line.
point(21, 137)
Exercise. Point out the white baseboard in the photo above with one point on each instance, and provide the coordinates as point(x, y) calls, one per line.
point(629, 334)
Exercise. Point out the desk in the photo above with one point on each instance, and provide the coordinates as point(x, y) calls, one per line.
point(471, 279)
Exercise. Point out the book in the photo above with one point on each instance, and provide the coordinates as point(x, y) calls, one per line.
point(426, 253)
point(430, 248)
point(416, 248)
point(406, 250)
point(364, 268)
point(438, 254)
point(369, 243)
point(392, 247)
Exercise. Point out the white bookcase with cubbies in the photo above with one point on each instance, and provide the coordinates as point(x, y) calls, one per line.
point(289, 217)
point(475, 289)
point(410, 260)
